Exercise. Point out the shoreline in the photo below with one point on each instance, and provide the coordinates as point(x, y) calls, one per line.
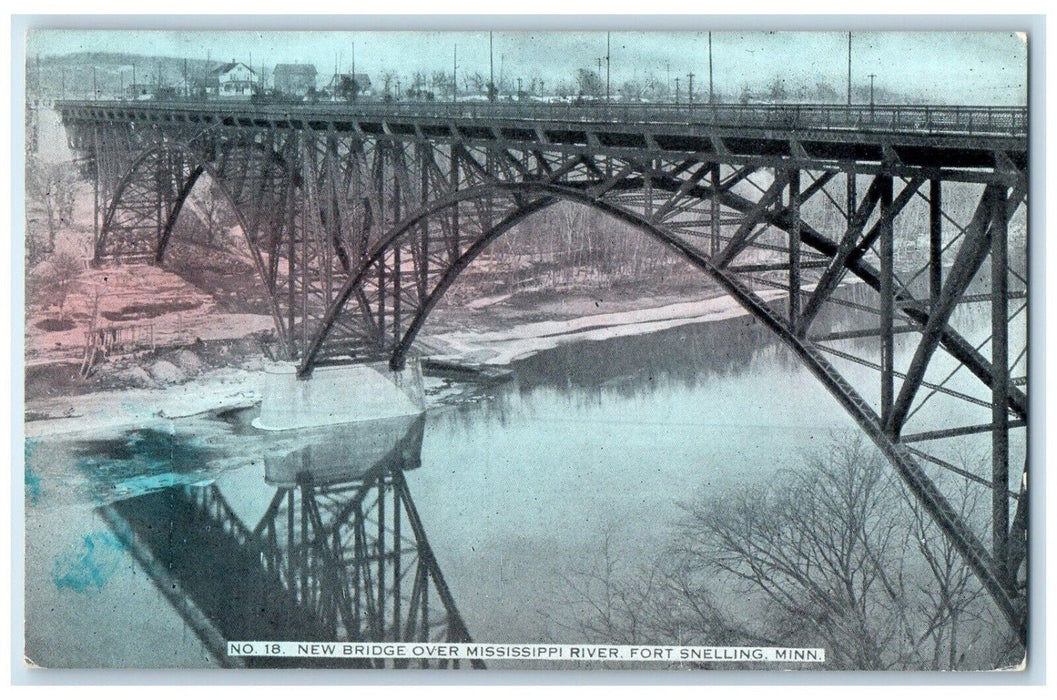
point(229, 388)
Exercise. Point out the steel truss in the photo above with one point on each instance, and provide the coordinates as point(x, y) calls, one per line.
point(359, 225)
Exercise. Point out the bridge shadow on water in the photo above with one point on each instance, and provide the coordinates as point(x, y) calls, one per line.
point(339, 554)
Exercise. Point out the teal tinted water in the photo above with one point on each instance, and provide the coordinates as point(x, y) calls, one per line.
point(519, 486)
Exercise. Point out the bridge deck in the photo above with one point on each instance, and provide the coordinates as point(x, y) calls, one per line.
point(915, 135)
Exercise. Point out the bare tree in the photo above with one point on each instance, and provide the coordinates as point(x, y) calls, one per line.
point(51, 188)
point(59, 279)
point(833, 553)
point(589, 83)
point(388, 77)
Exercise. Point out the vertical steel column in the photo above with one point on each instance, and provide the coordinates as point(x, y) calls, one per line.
point(935, 241)
point(333, 226)
point(794, 248)
point(379, 177)
point(397, 513)
point(291, 245)
point(423, 271)
point(379, 553)
point(303, 549)
point(159, 166)
point(334, 599)
point(95, 186)
point(887, 294)
point(291, 545)
point(396, 163)
point(358, 555)
point(1000, 379)
point(454, 250)
point(852, 195)
point(648, 188)
point(715, 211)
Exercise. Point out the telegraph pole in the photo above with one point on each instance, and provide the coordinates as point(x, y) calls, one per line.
point(711, 95)
point(95, 90)
point(677, 89)
point(607, 67)
point(849, 69)
point(872, 76)
point(690, 90)
point(355, 85)
point(454, 73)
point(491, 70)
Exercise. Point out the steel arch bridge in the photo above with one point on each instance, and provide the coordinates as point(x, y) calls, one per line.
point(910, 221)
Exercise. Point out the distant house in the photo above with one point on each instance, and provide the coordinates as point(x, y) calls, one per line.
point(205, 86)
point(337, 87)
point(294, 78)
point(235, 80)
point(141, 91)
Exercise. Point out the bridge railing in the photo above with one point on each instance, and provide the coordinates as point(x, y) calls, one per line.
point(926, 119)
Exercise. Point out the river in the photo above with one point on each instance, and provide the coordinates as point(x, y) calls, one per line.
point(518, 486)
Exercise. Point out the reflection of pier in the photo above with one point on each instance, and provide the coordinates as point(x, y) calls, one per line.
point(340, 553)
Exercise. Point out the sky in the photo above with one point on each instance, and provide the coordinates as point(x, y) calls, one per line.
point(964, 67)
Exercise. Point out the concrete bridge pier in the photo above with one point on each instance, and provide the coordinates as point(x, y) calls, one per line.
point(339, 394)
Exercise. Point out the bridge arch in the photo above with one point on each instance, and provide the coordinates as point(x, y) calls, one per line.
point(532, 197)
point(148, 234)
point(916, 311)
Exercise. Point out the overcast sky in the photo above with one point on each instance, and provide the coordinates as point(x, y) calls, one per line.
point(965, 67)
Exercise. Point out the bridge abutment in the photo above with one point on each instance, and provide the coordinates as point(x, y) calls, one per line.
point(339, 394)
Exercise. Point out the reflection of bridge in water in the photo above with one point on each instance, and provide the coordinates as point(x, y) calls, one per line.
point(339, 555)
point(358, 219)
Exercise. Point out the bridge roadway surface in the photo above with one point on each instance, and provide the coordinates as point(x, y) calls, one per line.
point(901, 137)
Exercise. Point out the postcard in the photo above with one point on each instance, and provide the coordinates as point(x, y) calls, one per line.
point(526, 349)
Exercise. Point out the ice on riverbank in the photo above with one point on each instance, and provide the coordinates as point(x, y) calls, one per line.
point(524, 340)
point(230, 388)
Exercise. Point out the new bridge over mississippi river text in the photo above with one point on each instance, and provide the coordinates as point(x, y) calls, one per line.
point(359, 217)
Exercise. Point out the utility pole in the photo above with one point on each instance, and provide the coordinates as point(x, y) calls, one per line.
point(454, 73)
point(711, 95)
point(690, 89)
point(95, 90)
point(64, 83)
point(872, 76)
point(668, 84)
point(135, 89)
point(519, 89)
point(491, 69)
point(849, 69)
point(677, 89)
point(607, 67)
point(355, 84)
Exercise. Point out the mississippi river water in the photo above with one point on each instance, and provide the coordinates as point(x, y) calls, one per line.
point(518, 485)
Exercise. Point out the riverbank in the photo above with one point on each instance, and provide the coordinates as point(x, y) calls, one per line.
point(458, 338)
